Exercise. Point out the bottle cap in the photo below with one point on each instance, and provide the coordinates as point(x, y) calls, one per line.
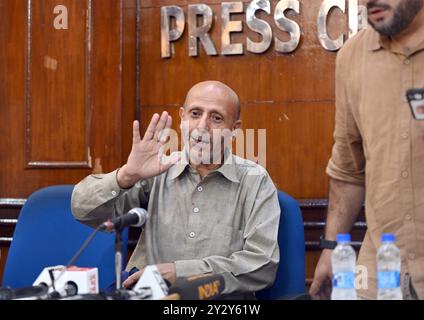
point(388, 237)
point(343, 237)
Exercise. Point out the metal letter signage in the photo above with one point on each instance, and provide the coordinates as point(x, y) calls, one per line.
point(324, 39)
point(287, 25)
point(200, 18)
point(200, 32)
point(228, 26)
point(260, 26)
point(168, 34)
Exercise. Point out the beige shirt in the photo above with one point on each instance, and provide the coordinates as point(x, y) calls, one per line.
point(225, 223)
point(379, 144)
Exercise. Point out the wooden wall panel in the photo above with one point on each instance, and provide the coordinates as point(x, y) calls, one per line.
point(106, 122)
point(130, 73)
point(57, 85)
point(59, 109)
point(12, 97)
point(297, 143)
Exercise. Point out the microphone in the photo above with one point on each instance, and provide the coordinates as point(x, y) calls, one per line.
point(27, 293)
point(136, 217)
point(202, 287)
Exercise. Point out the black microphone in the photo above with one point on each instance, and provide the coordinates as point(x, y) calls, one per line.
point(136, 217)
point(22, 293)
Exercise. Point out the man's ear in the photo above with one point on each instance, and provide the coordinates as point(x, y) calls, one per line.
point(237, 125)
point(181, 112)
point(236, 128)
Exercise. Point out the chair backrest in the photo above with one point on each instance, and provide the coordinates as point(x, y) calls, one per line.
point(47, 234)
point(290, 279)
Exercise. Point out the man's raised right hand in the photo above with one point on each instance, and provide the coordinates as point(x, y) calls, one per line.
point(146, 159)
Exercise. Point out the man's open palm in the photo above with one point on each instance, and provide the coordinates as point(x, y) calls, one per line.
point(146, 159)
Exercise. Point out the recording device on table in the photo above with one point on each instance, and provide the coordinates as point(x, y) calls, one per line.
point(416, 100)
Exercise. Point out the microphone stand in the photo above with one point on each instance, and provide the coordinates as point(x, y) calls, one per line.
point(109, 225)
point(118, 259)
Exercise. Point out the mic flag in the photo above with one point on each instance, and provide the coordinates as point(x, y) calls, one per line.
point(202, 287)
point(74, 280)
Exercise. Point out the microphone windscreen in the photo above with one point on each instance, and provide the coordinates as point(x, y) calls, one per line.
point(202, 287)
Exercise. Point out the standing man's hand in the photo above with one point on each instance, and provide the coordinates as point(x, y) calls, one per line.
point(321, 285)
point(146, 157)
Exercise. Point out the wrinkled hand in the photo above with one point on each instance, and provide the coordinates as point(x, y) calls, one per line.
point(321, 285)
point(132, 279)
point(146, 157)
point(167, 271)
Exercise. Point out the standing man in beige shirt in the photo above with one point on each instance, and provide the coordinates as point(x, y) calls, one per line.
point(209, 210)
point(378, 155)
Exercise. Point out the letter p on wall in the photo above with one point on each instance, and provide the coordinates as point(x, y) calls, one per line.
point(61, 20)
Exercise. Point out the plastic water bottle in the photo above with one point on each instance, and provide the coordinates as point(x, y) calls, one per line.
point(343, 261)
point(388, 269)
